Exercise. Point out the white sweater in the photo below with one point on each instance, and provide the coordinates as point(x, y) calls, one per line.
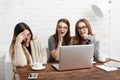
point(37, 50)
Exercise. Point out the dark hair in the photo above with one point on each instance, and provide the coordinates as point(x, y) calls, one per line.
point(67, 37)
point(20, 27)
point(77, 36)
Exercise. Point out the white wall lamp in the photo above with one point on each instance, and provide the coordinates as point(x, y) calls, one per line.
point(100, 8)
point(98, 11)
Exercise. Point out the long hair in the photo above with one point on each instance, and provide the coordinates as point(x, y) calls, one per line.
point(77, 37)
point(20, 27)
point(67, 37)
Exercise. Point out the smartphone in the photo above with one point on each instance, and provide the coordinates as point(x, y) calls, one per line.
point(33, 76)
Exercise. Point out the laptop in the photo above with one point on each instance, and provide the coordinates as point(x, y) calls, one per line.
point(75, 57)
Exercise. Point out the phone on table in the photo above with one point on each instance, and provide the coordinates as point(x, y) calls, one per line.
point(33, 76)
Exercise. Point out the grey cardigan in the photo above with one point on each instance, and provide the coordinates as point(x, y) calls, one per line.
point(96, 46)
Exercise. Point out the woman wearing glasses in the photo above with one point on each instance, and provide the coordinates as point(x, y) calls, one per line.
point(60, 38)
point(26, 49)
point(84, 35)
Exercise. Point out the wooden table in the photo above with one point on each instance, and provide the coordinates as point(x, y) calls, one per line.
point(50, 73)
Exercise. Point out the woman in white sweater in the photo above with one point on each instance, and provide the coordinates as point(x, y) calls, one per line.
point(26, 49)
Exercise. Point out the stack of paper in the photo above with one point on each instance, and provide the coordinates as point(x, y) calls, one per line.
point(113, 64)
point(106, 68)
point(109, 66)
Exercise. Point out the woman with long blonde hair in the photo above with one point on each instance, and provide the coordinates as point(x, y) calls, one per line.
point(84, 36)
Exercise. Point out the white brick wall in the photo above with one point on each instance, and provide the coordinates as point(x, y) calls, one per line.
point(42, 16)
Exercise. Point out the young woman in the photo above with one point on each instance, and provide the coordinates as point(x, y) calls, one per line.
point(84, 35)
point(26, 49)
point(60, 38)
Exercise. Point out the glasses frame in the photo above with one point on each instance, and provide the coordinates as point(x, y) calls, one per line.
point(82, 27)
point(60, 27)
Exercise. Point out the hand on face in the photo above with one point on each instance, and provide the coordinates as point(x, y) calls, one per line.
point(60, 36)
point(21, 37)
point(62, 30)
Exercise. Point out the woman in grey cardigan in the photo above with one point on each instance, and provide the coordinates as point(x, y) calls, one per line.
point(84, 35)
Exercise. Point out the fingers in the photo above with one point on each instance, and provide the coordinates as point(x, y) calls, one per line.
point(23, 34)
point(21, 37)
point(60, 36)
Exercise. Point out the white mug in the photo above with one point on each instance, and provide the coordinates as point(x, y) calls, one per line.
point(37, 65)
point(102, 57)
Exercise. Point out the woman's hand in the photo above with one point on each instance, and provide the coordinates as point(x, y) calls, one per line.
point(60, 37)
point(20, 37)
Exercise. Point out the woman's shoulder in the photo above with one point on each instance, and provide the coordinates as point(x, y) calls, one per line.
point(36, 38)
point(51, 37)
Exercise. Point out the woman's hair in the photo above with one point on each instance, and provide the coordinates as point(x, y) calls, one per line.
point(20, 27)
point(67, 37)
point(88, 26)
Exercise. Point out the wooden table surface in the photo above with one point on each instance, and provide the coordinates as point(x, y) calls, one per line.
point(50, 73)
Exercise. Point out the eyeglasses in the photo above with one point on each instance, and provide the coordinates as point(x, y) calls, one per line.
point(60, 27)
point(82, 27)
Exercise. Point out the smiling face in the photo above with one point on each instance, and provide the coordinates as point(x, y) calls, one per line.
point(82, 29)
point(62, 29)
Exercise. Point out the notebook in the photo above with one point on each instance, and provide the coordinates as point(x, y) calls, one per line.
point(75, 57)
point(113, 64)
point(106, 68)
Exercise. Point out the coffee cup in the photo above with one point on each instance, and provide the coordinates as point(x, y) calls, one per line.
point(102, 57)
point(37, 65)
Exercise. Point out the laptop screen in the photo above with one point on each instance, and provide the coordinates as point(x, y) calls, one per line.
point(76, 56)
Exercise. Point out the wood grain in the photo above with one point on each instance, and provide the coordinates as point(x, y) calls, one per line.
point(50, 73)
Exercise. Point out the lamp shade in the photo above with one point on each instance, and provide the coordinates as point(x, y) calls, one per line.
point(98, 11)
point(100, 8)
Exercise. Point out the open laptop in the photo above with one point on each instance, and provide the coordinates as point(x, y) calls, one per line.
point(75, 57)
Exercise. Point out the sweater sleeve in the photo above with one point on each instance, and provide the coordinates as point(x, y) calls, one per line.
point(19, 57)
point(96, 46)
point(42, 52)
point(96, 49)
point(91, 39)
